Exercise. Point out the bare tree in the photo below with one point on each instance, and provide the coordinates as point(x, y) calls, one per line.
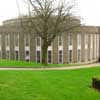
point(49, 20)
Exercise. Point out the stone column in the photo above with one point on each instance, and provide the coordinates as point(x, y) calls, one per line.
point(12, 45)
point(32, 47)
point(93, 46)
point(89, 57)
point(21, 46)
point(55, 50)
point(82, 47)
point(99, 48)
point(96, 46)
point(74, 47)
point(3, 48)
point(65, 48)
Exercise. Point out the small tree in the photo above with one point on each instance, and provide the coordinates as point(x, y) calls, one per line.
point(49, 20)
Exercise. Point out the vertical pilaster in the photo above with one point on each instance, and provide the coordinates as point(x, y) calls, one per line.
point(32, 47)
point(74, 47)
point(93, 46)
point(99, 48)
point(96, 46)
point(11, 46)
point(55, 50)
point(65, 48)
point(3, 46)
point(21, 46)
point(83, 47)
point(89, 57)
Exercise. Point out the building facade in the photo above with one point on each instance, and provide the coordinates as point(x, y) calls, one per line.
point(81, 46)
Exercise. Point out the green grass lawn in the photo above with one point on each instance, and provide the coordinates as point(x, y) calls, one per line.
point(13, 63)
point(48, 85)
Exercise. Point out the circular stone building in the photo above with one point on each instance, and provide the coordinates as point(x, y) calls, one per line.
point(81, 46)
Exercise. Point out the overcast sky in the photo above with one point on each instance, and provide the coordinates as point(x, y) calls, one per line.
point(89, 10)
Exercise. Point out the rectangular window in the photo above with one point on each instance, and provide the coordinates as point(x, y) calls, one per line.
point(16, 55)
point(38, 56)
point(60, 58)
point(70, 56)
point(79, 56)
point(27, 55)
point(7, 54)
point(49, 56)
point(86, 55)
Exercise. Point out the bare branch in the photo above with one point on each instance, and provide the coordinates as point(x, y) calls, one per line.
point(49, 21)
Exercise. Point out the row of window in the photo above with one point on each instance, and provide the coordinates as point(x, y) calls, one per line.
point(50, 52)
point(79, 55)
point(16, 45)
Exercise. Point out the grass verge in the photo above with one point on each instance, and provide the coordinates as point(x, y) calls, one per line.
point(24, 64)
point(48, 85)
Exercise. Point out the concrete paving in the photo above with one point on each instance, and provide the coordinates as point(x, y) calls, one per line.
point(55, 68)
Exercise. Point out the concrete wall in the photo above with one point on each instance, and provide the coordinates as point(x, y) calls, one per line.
point(92, 51)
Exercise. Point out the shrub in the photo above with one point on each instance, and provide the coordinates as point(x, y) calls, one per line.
point(96, 82)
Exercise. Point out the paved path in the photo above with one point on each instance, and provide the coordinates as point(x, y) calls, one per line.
point(56, 68)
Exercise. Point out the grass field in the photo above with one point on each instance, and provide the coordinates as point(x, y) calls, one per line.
point(13, 63)
point(48, 85)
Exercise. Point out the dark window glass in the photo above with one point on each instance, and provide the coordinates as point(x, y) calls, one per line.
point(16, 55)
point(49, 56)
point(38, 56)
point(70, 56)
point(7, 54)
point(60, 56)
point(27, 55)
point(79, 55)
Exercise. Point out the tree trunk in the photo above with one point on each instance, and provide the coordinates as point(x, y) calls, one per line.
point(44, 53)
